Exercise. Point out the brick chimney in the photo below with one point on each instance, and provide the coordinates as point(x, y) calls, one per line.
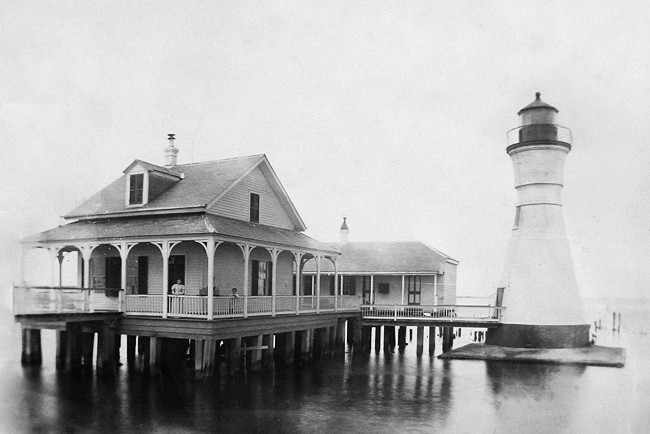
point(170, 152)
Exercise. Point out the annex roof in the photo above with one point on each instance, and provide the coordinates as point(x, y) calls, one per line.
point(398, 257)
point(202, 184)
point(165, 226)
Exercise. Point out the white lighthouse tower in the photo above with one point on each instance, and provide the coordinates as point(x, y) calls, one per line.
point(538, 287)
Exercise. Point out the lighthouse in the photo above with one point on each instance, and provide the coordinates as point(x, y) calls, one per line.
point(538, 287)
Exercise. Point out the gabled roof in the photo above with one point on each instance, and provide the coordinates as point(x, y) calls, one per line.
point(197, 224)
point(203, 184)
point(398, 257)
point(152, 168)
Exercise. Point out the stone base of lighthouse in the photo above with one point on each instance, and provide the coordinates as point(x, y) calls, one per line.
point(539, 336)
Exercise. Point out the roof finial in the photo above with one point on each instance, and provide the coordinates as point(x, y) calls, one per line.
point(537, 95)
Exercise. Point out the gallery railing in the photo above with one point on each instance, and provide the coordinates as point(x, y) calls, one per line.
point(47, 299)
point(450, 313)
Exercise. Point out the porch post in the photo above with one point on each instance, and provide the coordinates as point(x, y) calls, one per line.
point(165, 281)
point(341, 286)
point(336, 285)
point(372, 289)
point(210, 250)
point(297, 256)
point(86, 253)
point(54, 260)
point(318, 261)
point(434, 289)
point(124, 253)
point(274, 265)
point(246, 249)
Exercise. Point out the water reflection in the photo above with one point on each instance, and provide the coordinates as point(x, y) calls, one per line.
point(354, 392)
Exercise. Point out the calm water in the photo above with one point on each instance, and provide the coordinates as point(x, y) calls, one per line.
point(354, 393)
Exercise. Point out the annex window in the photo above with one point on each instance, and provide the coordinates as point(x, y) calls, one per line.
point(136, 184)
point(383, 288)
point(262, 275)
point(255, 208)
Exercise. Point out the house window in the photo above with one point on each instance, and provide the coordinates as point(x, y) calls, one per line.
point(262, 276)
point(255, 208)
point(383, 288)
point(136, 183)
point(349, 286)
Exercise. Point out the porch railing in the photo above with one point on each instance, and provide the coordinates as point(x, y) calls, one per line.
point(42, 300)
point(450, 313)
point(47, 299)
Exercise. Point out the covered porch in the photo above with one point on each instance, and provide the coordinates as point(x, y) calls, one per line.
point(130, 265)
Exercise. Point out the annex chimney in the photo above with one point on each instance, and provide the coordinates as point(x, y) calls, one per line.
point(343, 237)
point(171, 152)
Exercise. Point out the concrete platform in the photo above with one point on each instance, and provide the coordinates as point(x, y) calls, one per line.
point(592, 355)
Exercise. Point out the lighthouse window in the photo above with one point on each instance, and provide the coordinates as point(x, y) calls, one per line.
point(136, 183)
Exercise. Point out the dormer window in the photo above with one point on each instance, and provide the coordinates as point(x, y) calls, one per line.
point(136, 189)
point(255, 208)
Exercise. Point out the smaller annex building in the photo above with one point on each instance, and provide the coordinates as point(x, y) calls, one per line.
point(386, 272)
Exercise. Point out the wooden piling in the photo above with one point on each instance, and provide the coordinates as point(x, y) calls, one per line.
point(287, 347)
point(198, 356)
point(432, 340)
point(387, 349)
point(377, 339)
point(106, 362)
point(350, 332)
point(356, 326)
point(268, 353)
point(75, 345)
point(234, 355)
point(420, 343)
point(61, 349)
point(306, 344)
point(339, 345)
point(256, 354)
point(209, 357)
point(155, 348)
point(130, 350)
point(401, 338)
point(366, 338)
point(31, 351)
point(447, 339)
point(88, 349)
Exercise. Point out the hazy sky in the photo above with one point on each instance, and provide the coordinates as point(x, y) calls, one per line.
point(393, 114)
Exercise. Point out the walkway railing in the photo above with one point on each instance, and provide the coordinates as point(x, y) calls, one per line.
point(44, 300)
point(451, 313)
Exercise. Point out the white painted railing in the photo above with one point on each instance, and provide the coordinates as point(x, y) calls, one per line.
point(429, 312)
point(35, 300)
point(260, 305)
point(45, 299)
point(285, 304)
point(144, 304)
point(187, 305)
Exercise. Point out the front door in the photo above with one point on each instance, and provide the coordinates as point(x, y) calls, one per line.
point(143, 274)
point(413, 283)
point(113, 272)
point(176, 271)
point(366, 289)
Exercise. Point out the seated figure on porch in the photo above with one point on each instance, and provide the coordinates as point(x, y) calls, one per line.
point(178, 288)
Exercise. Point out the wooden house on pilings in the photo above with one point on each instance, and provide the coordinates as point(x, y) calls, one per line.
point(209, 228)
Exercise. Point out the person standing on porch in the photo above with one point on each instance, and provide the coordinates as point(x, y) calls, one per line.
point(178, 288)
point(233, 301)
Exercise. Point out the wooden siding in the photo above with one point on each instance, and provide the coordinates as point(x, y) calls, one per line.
point(228, 269)
point(394, 295)
point(447, 285)
point(236, 202)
